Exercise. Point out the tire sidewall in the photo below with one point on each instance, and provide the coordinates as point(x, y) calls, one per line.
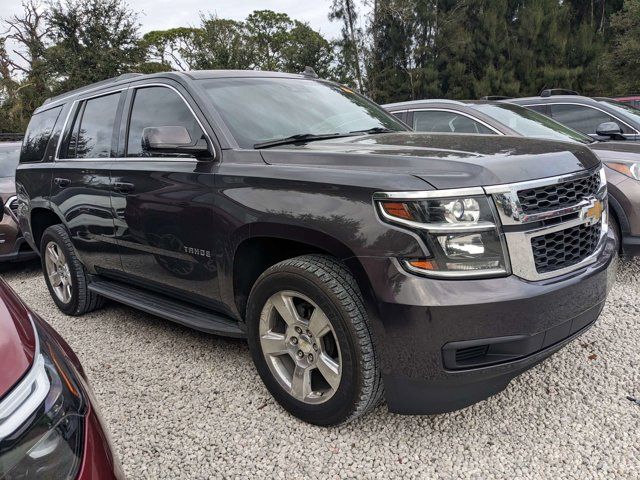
point(56, 234)
point(341, 404)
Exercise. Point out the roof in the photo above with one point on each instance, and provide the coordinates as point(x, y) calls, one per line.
point(418, 103)
point(553, 99)
point(193, 75)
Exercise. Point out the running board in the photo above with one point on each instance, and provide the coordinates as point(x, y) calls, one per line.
point(180, 312)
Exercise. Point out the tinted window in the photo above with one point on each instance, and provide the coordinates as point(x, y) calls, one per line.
point(38, 134)
point(625, 112)
point(92, 135)
point(528, 123)
point(449, 122)
point(158, 107)
point(9, 156)
point(537, 108)
point(578, 117)
point(258, 110)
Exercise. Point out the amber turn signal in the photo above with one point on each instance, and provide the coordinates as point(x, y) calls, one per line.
point(397, 209)
point(423, 264)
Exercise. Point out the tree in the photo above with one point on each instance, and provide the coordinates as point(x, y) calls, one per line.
point(350, 45)
point(23, 83)
point(306, 47)
point(173, 49)
point(223, 44)
point(268, 36)
point(623, 58)
point(93, 40)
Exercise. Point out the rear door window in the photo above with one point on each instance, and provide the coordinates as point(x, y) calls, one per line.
point(158, 107)
point(446, 122)
point(38, 134)
point(92, 133)
point(582, 118)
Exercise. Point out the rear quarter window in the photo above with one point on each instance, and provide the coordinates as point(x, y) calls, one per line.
point(38, 134)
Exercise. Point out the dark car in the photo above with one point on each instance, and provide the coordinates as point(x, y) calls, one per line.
point(622, 159)
point(12, 245)
point(600, 118)
point(358, 258)
point(49, 425)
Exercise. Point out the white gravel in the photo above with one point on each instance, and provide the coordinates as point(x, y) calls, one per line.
point(181, 404)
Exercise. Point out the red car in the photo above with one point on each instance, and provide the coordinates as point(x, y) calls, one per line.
point(633, 100)
point(49, 425)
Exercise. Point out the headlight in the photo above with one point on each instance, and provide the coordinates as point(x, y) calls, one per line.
point(461, 234)
point(47, 442)
point(630, 169)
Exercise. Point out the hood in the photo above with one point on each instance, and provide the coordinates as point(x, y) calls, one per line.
point(17, 339)
point(443, 160)
point(612, 151)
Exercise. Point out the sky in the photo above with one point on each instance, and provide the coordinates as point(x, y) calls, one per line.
point(164, 14)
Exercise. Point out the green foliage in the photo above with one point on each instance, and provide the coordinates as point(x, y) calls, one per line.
point(623, 58)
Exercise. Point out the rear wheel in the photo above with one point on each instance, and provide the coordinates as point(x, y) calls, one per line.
point(64, 275)
point(310, 340)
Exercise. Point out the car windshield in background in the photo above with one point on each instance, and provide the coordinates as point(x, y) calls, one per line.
point(624, 109)
point(531, 124)
point(9, 157)
point(261, 110)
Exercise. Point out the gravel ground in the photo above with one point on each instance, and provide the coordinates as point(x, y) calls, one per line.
point(181, 404)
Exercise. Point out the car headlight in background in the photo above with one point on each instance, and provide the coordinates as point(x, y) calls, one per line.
point(461, 233)
point(41, 431)
point(629, 169)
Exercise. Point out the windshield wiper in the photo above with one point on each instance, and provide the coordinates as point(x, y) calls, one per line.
point(301, 137)
point(373, 130)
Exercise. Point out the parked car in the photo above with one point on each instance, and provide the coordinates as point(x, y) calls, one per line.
point(601, 118)
point(49, 424)
point(633, 100)
point(351, 252)
point(12, 245)
point(621, 159)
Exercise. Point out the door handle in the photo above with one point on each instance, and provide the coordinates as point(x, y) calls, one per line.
point(123, 187)
point(62, 182)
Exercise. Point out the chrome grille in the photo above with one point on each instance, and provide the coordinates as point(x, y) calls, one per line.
point(565, 248)
point(553, 226)
point(553, 197)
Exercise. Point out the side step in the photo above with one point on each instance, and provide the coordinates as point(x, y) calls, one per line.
point(180, 312)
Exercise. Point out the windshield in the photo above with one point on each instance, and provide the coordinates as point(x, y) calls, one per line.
point(9, 157)
point(531, 124)
point(623, 109)
point(259, 110)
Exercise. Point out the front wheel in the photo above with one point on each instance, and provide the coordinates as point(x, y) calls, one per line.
point(310, 340)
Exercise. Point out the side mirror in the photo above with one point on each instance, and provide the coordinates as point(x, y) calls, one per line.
point(174, 140)
point(610, 129)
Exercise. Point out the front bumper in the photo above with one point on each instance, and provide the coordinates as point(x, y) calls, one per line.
point(416, 318)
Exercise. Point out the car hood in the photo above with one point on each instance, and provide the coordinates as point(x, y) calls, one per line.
point(442, 160)
point(17, 339)
point(611, 151)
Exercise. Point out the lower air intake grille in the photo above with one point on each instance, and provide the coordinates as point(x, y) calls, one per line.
point(565, 248)
point(465, 354)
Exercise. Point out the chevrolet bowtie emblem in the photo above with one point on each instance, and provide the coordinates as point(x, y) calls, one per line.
point(594, 213)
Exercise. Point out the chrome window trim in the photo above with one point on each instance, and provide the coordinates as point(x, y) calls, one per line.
point(125, 158)
point(457, 112)
point(204, 131)
point(587, 106)
point(63, 132)
point(27, 395)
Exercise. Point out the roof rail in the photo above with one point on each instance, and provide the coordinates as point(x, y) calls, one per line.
point(549, 92)
point(495, 97)
point(92, 86)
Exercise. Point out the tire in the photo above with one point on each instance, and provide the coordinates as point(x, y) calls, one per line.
point(325, 298)
point(68, 286)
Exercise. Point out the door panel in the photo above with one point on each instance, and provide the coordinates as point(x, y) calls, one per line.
point(164, 226)
point(163, 203)
point(80, 191)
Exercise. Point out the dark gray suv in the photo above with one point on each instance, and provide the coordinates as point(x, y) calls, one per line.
point(359, 259)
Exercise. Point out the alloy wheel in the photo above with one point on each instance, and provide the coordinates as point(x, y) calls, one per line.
point(300, 347)
point(58, 272)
